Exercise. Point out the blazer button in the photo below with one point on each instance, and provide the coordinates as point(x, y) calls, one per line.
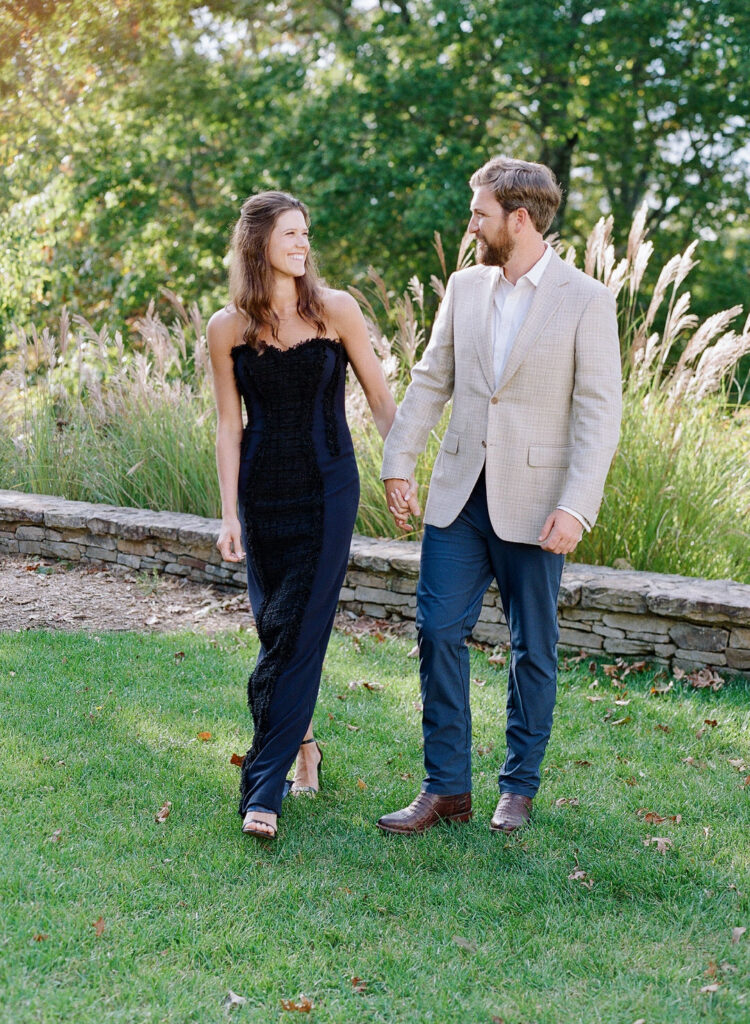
point(494, 400)
point(484, 444)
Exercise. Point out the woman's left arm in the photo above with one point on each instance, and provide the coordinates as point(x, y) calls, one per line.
point(346, 317)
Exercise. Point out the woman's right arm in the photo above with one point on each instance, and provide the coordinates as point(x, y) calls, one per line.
point(221, 334)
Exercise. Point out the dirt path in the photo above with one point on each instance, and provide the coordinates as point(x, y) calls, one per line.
point(43, 594)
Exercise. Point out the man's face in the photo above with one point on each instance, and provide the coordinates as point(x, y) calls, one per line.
point(489, 225)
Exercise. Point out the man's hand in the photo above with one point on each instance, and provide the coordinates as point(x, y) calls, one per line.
point(561, 533)
point(401, 499)
point(230, 541)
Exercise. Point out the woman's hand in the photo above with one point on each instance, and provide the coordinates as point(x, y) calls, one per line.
point(230, 540)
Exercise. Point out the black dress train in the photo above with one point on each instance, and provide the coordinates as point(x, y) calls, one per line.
point(298, 493)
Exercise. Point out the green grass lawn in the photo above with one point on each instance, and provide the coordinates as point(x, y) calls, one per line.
point(455, 926)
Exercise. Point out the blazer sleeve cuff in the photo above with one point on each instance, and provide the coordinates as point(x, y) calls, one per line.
point(577, 515)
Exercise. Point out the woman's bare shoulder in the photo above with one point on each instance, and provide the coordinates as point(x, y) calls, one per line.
point(340, 307)
point(226, 327)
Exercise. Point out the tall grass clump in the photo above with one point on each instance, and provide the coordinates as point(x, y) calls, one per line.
point(89, 417)
point(90, 420)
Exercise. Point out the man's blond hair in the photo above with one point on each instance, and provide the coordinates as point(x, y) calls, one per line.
point(520, 183)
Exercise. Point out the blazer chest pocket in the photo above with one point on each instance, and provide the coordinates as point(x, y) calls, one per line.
point(450, 442)
point(550, 456)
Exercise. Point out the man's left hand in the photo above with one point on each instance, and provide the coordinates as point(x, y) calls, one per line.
point(560, 533)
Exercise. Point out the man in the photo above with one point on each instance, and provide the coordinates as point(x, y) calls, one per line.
point(527, 348)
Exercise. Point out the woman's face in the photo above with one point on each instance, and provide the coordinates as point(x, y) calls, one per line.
point(288, 244)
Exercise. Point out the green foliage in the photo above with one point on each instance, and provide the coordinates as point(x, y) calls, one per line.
point(457, 925)
point(131, 131)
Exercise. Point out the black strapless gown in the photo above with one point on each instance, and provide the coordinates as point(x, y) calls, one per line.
point(298, 493)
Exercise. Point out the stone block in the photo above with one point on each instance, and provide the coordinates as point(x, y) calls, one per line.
point(581, 615)
point(29, 547)
point(579, 639)
point(377, 611)
point(346, 594)
point(61, 549)
point(613, 645)
point(740, 638)
point(132, 561)
point(738, 659)
point(239, 578)
point(215, 572)
point(100, 554)
point(73, 518)
point(172, 568)
point(9, 545)
point(193, 563)
point(618, 595)
point(602, 630)
point(664, 650)
point(19, 507)
point(30, 533)
point(491, 633)
point(700, 657)
point(578, 624)
point(401, 586)
point(366, 579)
point(381, 596)
point(698, 638)
point(132, 547)
point(701, 601)
point(637, 623)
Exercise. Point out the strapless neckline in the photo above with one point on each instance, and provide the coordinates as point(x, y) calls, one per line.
point(290, 348)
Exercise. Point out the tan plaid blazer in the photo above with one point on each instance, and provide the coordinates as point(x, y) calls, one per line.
point(547, 434)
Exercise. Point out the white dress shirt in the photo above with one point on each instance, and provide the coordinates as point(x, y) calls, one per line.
point(511, 306)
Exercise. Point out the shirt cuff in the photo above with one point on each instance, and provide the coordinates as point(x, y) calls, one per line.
point(576, 515)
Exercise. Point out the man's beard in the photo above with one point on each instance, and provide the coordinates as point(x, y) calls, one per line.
point(496, 255)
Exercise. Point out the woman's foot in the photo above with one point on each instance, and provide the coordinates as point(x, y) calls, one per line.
point(261, 824)
point(306, 771)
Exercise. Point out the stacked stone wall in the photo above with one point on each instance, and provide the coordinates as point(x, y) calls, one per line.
point(672, 620)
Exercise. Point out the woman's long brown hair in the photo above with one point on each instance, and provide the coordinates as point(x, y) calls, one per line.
point(250, 273)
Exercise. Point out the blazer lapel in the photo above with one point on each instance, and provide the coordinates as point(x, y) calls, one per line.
point(482, 324)
point(548, 296)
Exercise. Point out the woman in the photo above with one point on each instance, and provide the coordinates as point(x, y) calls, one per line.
point(282, 345)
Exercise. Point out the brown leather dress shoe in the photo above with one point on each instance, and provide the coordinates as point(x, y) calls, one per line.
point(512, 812)
point(427, 810)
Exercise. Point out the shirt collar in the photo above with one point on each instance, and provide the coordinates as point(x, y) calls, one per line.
point(534, 275)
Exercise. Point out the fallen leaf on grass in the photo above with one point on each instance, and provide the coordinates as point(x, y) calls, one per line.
point(56, 836)
point(746, 781)
point(179, 655)
point(663, 843)
point(303, 1005)
point(485, 748)
point(583, 764)
point(43, 935)
point(352, 728)
point(359, 985)
point(417, 705)
point(705, 678)
point(632, 781)
point(204, 736)
point(621, 721)
point(622, 703)
point(498, 659)
point(163, 813)
point(470, 947)
point(361, 784)
point(593, 699)
point(610, 670)
point(238, 759)
point(580, 876)
point(232, 1001)
point(692, 762)
point(662, 728)
point(357, 684)
point(737, 934)
point(479, 682)
point(652, 818)
point(98, 926)
point(657, 691)
point(405, 776)
point(567, 801)
point(714, 987)
point(414, 652)
point(738, 763)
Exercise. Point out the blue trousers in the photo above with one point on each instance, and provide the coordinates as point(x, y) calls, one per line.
point(457, 565)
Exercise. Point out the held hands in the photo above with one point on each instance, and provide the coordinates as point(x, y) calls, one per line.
point(401, 499)
point(561, 533)
point(230, 541)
